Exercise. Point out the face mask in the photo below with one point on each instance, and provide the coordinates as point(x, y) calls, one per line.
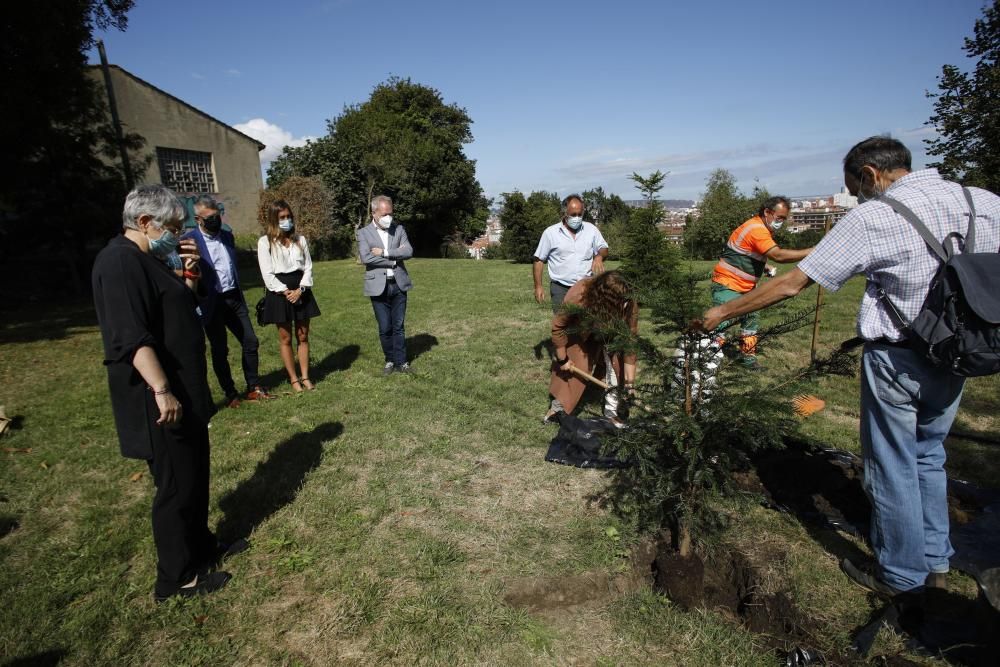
point(212, 224)
point(574, 222)
point(384, 221)
point(286, 225)
point(777, 224)
point(163, 246)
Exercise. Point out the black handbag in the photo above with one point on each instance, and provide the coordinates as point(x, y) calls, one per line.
point(260, 312)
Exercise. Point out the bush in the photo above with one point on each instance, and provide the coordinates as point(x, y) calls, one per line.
point(312, 206)
point(494, 252)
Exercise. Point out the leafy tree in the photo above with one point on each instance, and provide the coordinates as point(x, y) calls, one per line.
point(648, 259)
point(405, 142)
point(615, 217)
point(524, 219)
point(594, 202)
point(61, 189)
point(967, 112)
point(311, 203)
point(723, 208)
point(650, 185)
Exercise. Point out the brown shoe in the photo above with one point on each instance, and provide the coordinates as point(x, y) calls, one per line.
point(937, 580)
point(258, 393)
point(233, 401)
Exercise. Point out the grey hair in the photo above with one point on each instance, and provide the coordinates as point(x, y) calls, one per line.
point(378, 200)
point(206, 201)
point(155, 200)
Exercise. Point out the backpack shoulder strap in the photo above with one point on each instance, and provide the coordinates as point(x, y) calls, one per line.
point(918, 225)
point(970, 236)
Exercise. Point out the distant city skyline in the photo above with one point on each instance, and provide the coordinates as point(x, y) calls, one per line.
point(566, 96)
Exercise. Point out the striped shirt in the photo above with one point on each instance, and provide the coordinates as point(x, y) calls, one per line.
point(877, 242)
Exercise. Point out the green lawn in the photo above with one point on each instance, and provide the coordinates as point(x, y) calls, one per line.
point(388, 514)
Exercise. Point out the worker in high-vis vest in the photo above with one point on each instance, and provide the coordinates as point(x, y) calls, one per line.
point(744, 261)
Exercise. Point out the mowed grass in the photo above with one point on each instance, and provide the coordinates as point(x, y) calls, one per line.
point(387, 514)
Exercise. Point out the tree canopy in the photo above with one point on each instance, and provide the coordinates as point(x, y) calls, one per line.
point(967, 112)
point(524, 219)
point(404, 142)
point(723, 208)
point(54, 130)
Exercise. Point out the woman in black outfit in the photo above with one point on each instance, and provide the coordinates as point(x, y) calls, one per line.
point(286, 267)
point(154, 350)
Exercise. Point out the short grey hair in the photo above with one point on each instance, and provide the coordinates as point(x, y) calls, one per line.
point(207, 201)
point(572, 197)
point(155, 200)
point(378, 200)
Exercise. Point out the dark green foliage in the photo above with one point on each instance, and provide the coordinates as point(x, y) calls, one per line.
point(58, 198)
point(614, 221)
point(524, 220)
point(647, 258)
point(404, 142)
point(723, 209)
point(967, 112)
point(702, 417)
point(806, 239)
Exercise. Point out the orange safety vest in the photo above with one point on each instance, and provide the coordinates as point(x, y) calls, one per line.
point(742, 261)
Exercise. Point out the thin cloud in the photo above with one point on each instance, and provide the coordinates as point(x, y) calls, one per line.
point(196, 75)
point(233, 72)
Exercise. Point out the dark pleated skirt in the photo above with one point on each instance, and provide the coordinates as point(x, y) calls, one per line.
point(277, 309)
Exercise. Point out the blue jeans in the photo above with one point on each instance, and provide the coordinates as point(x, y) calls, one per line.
point(390, 313)
point(907, 408)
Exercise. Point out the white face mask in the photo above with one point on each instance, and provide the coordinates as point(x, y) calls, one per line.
point(384, 221)
point(777, 224)
point(574, 222)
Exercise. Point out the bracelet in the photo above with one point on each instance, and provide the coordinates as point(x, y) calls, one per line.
point(192, 275)
point(562, 362)
point(165, 390)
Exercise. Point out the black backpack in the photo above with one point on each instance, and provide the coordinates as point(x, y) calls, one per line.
point(958, 327)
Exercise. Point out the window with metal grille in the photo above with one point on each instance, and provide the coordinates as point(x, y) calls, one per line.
point(186, 171)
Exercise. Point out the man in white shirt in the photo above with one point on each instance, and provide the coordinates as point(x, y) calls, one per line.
point(383, 248)
point(572, 249)
point(222, 304)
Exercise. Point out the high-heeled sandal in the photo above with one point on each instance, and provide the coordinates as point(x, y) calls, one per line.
point(297, 382)
point(311, 386)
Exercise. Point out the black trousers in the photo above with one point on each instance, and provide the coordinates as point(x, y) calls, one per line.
point(231, 313)
point(180, 470)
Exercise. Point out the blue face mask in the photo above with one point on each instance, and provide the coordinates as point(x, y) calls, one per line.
point(574, 222)
point(286, 225)
point(163, 246)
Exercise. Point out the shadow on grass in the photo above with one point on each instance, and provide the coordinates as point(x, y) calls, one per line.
point(43, 659)
point(274, 483)
point(419, 344)
point(340, 360)
point(51, 322)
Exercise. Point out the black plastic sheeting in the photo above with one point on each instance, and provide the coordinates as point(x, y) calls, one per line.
point(578, 443)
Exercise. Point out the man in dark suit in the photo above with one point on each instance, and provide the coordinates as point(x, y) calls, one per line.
point(383, 247)
point(222, 304)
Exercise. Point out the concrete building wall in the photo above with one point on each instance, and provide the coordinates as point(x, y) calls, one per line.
point(166, 122)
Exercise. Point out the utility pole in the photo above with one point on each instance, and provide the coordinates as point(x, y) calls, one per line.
point(123, 153)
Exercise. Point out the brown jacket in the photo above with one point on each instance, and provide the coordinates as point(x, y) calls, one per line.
point(585, 353)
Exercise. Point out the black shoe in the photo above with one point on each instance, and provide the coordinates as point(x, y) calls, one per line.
point(405, 368)
point(209, 583)
point(869, 581)
point(388, 369)
point(221, 554)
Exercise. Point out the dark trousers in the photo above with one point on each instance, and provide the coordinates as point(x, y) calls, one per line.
point(231, 313)
point(180, 470)
point(390, 313)
point(558, 292)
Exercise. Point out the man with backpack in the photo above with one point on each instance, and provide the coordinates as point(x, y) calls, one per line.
point(912, 379)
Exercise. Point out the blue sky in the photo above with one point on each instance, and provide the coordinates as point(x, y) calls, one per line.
point(565, 96)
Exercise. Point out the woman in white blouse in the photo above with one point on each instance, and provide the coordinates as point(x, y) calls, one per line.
point(286, 268)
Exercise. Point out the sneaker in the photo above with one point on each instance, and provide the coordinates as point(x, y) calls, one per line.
point(869, 581)
point(258, 393)
point(389, 368)
point(405, 368)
